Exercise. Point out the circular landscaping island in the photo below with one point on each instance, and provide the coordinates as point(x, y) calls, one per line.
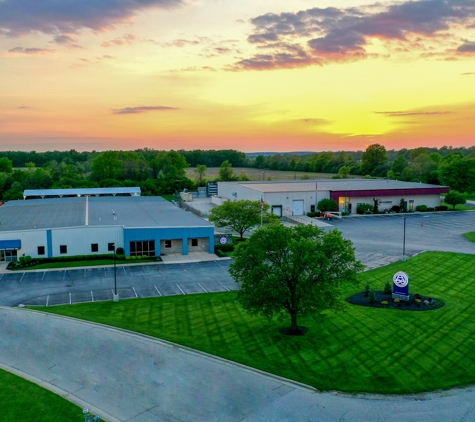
point(381, 300)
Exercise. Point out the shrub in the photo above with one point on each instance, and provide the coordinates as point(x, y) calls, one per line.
point(395, 208)
point(421, 208)
point(224, 248)
point(312, 214)
point(119, 251)
point(366, 291)
point(371, 297)
point(327, 205)
point(364, 208)
point(430, 209)
point(387, 288)
point(441, 208)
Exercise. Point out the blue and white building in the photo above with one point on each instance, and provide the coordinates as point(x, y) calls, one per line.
point(85, 225)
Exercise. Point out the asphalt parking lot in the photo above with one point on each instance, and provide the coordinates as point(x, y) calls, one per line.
point(49, 288)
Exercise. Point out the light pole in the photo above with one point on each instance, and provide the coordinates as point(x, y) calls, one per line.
point(263, 175)
point(116, 295)
point(404, 241)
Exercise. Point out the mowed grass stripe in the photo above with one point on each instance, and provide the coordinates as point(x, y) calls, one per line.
point(359, 350)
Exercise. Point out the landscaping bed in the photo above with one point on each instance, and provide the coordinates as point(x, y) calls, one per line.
point(410, 305)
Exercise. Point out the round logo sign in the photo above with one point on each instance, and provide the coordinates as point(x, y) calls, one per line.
point(401, 279)
point(223, 240)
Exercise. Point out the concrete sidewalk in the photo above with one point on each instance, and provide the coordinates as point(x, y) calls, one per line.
point(129, 377)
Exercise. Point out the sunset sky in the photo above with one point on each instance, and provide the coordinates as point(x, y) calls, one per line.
point(265, 75)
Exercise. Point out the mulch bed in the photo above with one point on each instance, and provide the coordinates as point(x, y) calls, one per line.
point(412, 305)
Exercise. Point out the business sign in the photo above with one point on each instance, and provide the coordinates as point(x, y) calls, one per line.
point(401, 286)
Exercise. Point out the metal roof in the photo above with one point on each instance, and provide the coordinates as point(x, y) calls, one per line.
point(334, 185)
point(124, 211)
point(80, 192)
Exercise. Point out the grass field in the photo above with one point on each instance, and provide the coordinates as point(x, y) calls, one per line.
point(72, 264)
point(459, 207)
point(257, 174)
point(470, 236)
point(361, 350)
point(22, 400)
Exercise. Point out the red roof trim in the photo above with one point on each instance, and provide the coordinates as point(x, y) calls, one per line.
point(388, 192)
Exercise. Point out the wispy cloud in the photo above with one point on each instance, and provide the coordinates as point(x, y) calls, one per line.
point(467, 73)
point(69, 16)
point(467, 47)
point(412, 113)
point(143, 109)
point(333, 34)
point(31, 50)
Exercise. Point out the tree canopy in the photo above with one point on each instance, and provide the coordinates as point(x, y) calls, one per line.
point(295, 271)
point(374, 156)
point(454, 198)
point(240, 215)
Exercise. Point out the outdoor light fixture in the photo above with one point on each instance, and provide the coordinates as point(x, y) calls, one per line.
point(116, 295)
point(404, 242)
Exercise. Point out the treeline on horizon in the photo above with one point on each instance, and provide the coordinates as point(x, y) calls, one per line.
point(163, 172)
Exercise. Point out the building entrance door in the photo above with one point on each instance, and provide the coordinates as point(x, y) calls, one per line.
point(2, 255)
point(297, 207)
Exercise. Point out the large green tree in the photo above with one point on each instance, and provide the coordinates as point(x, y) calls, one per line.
point(459, 175)
point(374, 156)
point(454, 198)
point(107, 165)
point(241, 215)
point(226, 172)
point(293, 271)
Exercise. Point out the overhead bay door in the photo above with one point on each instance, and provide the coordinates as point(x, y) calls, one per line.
point(297, 207)
point(277, 210)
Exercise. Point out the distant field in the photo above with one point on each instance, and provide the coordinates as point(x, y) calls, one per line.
point(257, 174)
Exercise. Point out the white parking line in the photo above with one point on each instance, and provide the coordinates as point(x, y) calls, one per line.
point(180, 289)
point(158, 290)
point(2, 276)
point(43, 276)
point(92, 296)
point(64, 275)
point(224, 286)
point(70, 298)
point(47, 300)
point(206, 291)
point(22, 277)
point(84, 273)
point(125, 272)
point(105, 272)
point(136, 295)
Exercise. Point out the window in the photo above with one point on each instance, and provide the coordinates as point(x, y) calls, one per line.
point(63, 248)
point(168, 243)
point(142, 247)
point(194, 242)
point(111, 247)
point(94, 247)
point(41, 250)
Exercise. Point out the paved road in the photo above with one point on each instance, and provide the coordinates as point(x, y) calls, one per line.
point(136, 378)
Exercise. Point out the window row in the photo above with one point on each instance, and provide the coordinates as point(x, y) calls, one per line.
point(64, 248)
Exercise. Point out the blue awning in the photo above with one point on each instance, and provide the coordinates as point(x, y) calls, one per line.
point(10, 244)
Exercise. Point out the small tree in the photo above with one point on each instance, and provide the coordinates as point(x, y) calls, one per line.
point(366, 290)
point(454, 198)
point(295, 271)
point(200, 172)
point(371, 297)
point(240, 215)
point(226, 172)
point(344, 172)
point(387, 288)
point(327, 205)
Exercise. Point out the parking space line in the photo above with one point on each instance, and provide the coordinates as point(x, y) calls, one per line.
point(125, 272)
point(224, 286)
point(64, 275)
point(84, 273)
point(105, 272)
point(70, 298)
point(2, 276)
point(22, 277)
point(158, 291)
point(143, 268)
point(180, 289)
point(47, 300)
point(136, 295)
point(206, 291)
point(43, 276)
point(92, 296)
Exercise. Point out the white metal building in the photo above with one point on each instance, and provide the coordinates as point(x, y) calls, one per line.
point(288, 198)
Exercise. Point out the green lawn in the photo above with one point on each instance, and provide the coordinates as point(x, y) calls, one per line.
point(361, 350)
point(470, 236)
point(86, 263)
point(459, 207)
point(169, 197)
point(22, 400)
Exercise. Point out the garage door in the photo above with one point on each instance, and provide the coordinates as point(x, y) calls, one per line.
point(297, 207)
point(277, 210)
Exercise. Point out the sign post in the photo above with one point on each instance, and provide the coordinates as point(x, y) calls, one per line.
point(401, 286)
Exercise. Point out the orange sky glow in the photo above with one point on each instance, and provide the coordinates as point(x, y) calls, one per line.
point(253, 76)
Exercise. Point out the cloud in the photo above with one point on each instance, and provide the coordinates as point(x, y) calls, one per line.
point(412, 113)
point(333, 34)
point(468, 47)
point(143, 109)
point(467, 73)
point(20, 17)
point(63, 39)
point(31, 50)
